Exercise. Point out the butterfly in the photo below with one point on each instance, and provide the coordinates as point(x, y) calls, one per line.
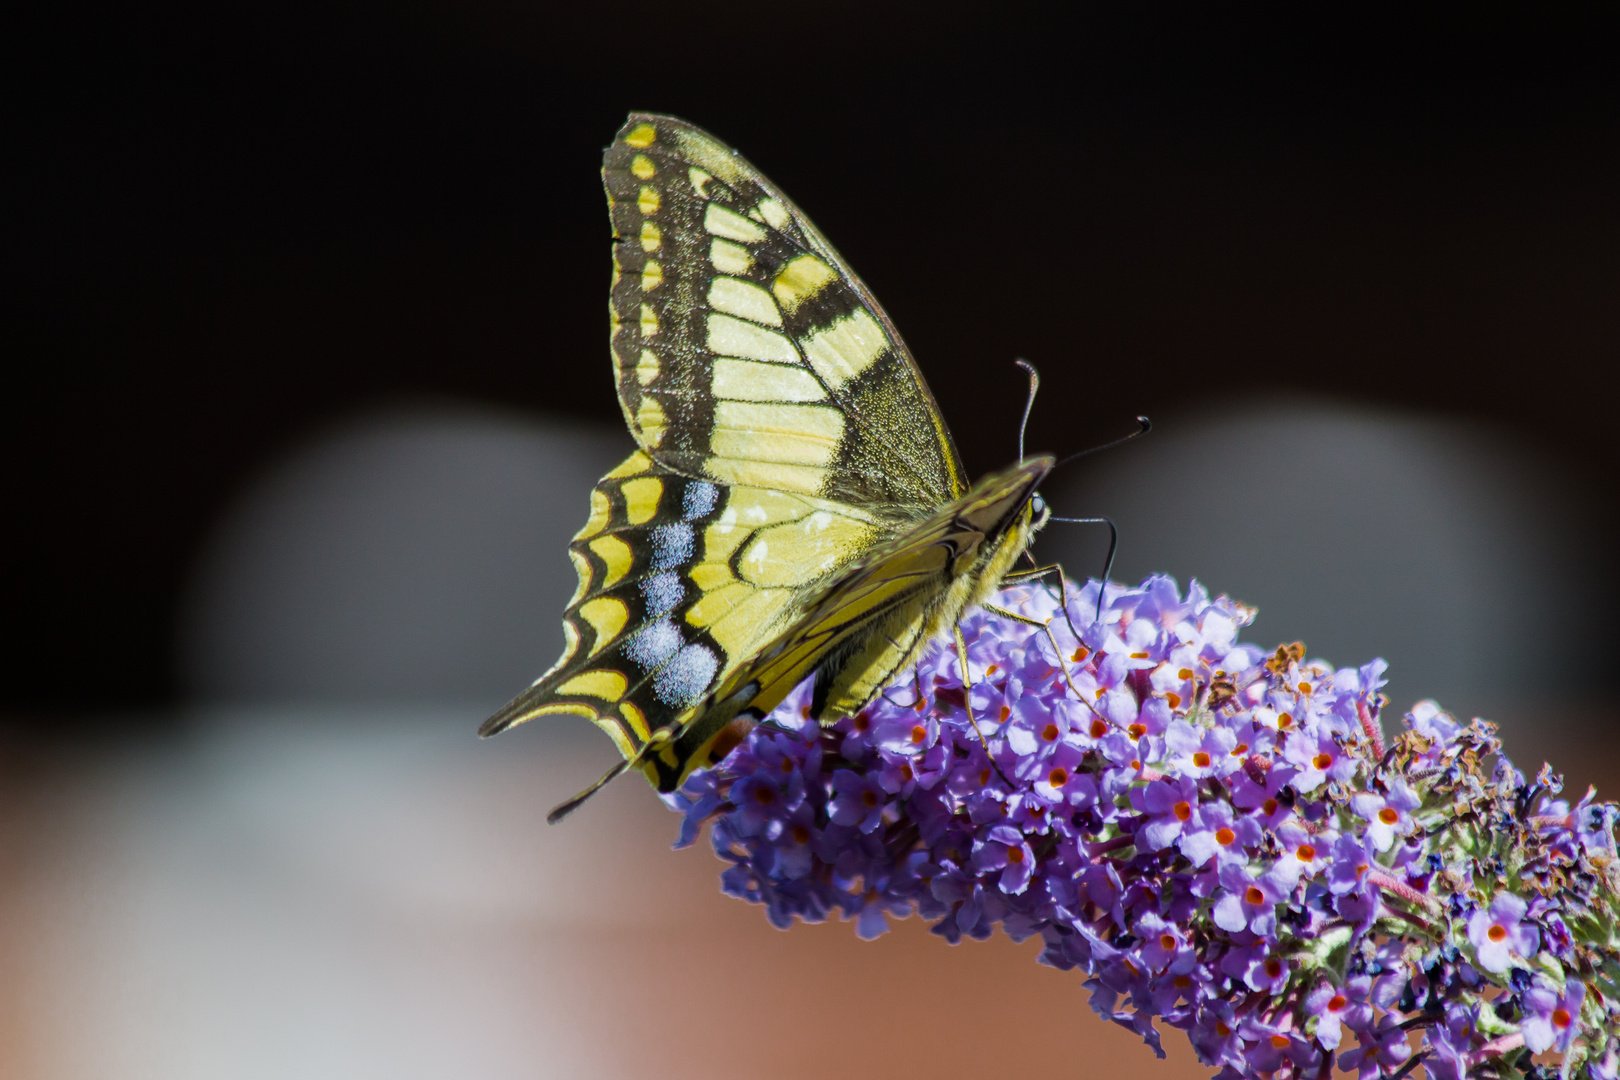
point(795, 507)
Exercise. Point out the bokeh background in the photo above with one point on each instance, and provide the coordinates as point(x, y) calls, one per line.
point(305, 310)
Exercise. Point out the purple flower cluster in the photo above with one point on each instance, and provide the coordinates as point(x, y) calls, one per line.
point(1220, 839)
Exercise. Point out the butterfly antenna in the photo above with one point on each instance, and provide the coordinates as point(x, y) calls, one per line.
point(1029, 402)
point(1144, 425)
point(1113, 546)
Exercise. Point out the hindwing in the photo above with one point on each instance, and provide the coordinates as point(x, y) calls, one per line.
point(681, 580)
point(746, 351)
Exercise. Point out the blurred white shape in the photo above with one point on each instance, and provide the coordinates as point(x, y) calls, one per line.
point(404, 555)
point(348, 895)
point(1450, 549)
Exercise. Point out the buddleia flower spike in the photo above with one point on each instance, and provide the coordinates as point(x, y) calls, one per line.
point(1219, 839)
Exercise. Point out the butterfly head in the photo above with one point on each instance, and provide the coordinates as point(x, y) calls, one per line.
point(1038, 511)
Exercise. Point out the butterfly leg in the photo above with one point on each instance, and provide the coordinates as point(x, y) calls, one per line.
point(1039, 573)
point(967, 700)
point(1046, 628)
point(651, 746)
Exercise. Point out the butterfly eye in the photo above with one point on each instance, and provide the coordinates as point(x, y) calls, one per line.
point(1037, 504)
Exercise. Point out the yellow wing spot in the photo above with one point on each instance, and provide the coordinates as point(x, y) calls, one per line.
point(642, 137)
point(634, 465)
point(647, 367)
point(649, 321)
point(800, 280)
point(651, 236)
point(728, 336)
point(582, 567)
point(698, 178)
point(613, 321)
point(636, 719)
point(749, 380)
point(607, 685)
point(848, 347)
point(642, 168)
point(743, 299)
point(719, 221)
point(786, 434)
point(729, 258)
point(652, 275)
point(607, 616)
point(650, 421)
point(708, 576)
point(618, 271)
point(648, 201)
point(601, 514)
point(774, 213)
point(616, 557)
point(641, 497)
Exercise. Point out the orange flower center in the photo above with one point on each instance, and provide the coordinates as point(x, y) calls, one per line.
point(1050, 733)
point(801, 835)
point(1285, 721)
point(1561, 1018)
point(1497, 932)
point(870, 799)
point(1059, 776)
point(1015, 854)
point(1173, 698)
point(1136, 731)
point(1225, 836)
point(1200, 760)
point(1098, 729)
point(1254, 896)
point(1338, 1002)
point(1184, 673)
point(1182, 810)
point(1269, 806)
point(1305, 853)
point(1388, 816)
point(1322, 761)
point(918, 733)
point(1167, 942)
point(1080, 654)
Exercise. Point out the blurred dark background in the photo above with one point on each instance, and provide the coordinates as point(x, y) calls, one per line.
point(231, 225)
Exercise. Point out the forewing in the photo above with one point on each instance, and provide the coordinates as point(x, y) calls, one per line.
point(747, 352)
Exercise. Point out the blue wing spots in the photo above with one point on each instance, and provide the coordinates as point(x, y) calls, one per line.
point(662, 592)
point(686, 677)
point(672, 546)
point(699, 500)
point(653, 644)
